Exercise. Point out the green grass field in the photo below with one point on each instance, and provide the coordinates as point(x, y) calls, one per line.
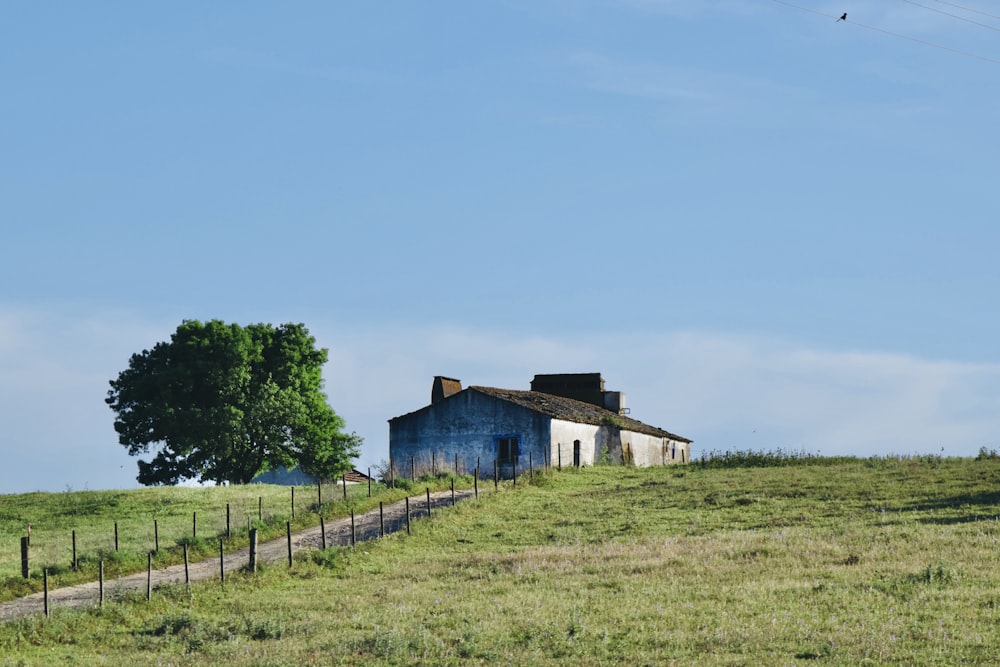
point(173, 516)
point(848, 562)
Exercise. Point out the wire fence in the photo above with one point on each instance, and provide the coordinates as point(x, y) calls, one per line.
point(72, 531)
point(345, 531)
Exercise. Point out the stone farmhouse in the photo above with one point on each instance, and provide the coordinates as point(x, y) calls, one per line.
point(564, 420)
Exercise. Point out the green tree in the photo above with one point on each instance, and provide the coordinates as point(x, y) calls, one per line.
point(223, 403)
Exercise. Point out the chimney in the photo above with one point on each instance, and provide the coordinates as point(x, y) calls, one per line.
point(443, 388)
point(586, 387)
point(615, 401)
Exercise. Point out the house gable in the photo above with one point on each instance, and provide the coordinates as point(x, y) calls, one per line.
point(471, 424)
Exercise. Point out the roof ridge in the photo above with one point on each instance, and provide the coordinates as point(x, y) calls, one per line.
point(597, 416)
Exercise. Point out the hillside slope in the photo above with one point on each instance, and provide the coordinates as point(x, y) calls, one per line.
point(881, 561)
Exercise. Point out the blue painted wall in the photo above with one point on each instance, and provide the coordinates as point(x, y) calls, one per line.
point(466, 424)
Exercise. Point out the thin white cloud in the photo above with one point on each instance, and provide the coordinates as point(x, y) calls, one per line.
point(268, 63)
point(693, 8)
point(692, 97)
point(648, 81)
point(706, 97)
point(725, 391)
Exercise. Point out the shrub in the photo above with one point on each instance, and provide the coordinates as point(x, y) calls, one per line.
point(987, 454)
point(760, 459)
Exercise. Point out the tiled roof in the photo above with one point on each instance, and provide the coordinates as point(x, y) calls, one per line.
point(572, 410)
point(356, 476)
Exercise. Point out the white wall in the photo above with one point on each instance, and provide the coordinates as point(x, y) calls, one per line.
point(647, 450)
point(592, 439)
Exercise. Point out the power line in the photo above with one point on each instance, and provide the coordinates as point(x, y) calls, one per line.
point(967, 9)
point(967, 54)
point(954, 16)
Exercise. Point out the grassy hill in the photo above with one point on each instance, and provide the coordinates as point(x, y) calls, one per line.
point(816, 561)
point(138, 521)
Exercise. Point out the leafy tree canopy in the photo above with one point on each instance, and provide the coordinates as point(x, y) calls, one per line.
point(223, 403)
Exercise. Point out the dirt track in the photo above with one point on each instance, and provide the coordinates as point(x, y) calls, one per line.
point(338, 533)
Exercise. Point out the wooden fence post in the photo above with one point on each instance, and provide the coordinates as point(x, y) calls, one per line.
point(288, 532)
point(74, 551)
point(222, 563)
point(194, 525)
point(149, 576)
point(322, 532)
point(354, 537)
point(453, 492)
point(343, 478)
point(475, 482)
point(24, 556)
point(496, 475)
point(531, 467)
point(187, 570)
point(428, 502)
point(100, 583)
point(156, 535)
point(45, 589)
point(433, 464)
point(260, 508)
point(381, 520)
point(253, 550)
point(116, 536)
point(456, 463)
point(407, 515)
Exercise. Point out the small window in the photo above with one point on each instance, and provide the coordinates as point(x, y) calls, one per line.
point(508, 449)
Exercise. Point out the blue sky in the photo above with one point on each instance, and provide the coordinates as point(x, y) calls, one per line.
point(770, 229)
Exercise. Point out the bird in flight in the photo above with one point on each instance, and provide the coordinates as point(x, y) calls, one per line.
point(843, 17)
